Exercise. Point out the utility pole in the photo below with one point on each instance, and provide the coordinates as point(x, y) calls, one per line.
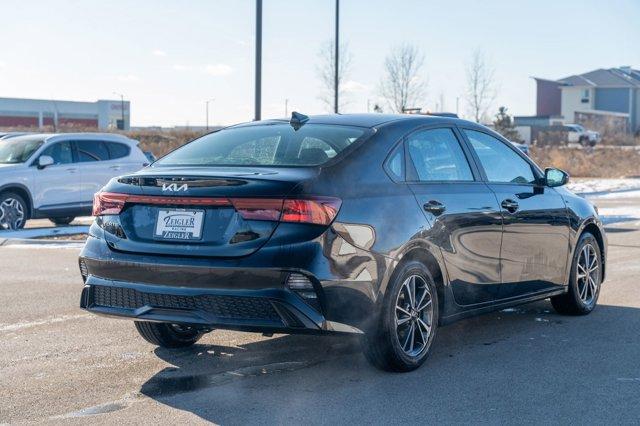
point(258, 98)
point(337, 57)
point(286, 108)
point(207, 108)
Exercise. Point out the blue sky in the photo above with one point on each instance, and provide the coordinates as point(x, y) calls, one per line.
point(168, 57)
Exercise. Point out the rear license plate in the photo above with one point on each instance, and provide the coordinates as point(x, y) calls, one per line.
point(179, 224)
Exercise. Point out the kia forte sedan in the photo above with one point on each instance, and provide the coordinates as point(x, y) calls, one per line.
point(385, 226)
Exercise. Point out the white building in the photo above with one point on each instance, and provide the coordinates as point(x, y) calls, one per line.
point(103, 114)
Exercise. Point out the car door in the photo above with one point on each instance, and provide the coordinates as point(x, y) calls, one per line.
point(535, 240)
point(94, 165)
point(465, 218)
point(58, 185)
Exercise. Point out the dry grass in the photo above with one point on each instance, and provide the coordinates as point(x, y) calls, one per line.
point(605, 162)
point(161, 143)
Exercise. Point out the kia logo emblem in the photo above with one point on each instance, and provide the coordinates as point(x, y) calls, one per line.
point(174, 187)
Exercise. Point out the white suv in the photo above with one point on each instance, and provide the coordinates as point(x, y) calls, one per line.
point(55, 175)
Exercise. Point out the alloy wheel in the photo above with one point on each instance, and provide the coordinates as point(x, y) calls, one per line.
point(11, 214)
point(588, 274)
point(414, 315)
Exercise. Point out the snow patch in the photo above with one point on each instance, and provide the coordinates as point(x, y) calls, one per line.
point(600, 187)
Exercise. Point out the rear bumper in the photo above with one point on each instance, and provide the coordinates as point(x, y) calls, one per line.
point(268, 311)
point(244, 299)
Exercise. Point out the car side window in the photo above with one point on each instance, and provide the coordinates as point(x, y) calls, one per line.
point(501, 163)
point(438, 156)
point(395, 163)
point(61, 152)
point(92, 151)
point(117, 150)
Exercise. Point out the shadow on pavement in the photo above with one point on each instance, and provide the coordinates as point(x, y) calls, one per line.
point(525, 363)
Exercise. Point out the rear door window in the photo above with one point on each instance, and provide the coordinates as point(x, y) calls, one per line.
point(92, 151)
point(438, 156)
point(117, 150)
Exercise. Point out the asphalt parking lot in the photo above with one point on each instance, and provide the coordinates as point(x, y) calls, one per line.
point(523, 365)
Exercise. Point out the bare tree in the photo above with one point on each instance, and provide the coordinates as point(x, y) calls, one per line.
point(401, 85)
point(325, 70)
point(480, 86)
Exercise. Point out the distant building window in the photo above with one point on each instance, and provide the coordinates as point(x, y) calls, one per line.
point(585, 96)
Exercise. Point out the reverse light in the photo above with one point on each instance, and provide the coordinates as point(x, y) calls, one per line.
point(302, 286)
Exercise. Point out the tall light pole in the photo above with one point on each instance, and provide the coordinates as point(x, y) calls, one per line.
point(258, 97)
point(337, 58)
point(121, 107)
point(207, 108)
point(286, 108)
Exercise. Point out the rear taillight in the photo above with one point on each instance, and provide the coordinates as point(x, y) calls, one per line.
point(108, 203)
point(313, 210)
point(319, 210)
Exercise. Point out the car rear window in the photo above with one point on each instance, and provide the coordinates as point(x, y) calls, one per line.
point(117, 150)
point(266, 145)
point(92, 151)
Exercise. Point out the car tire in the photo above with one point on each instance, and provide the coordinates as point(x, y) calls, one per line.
point(62, 220)
point(14, 211)
point(389, 344)
point(168, 335)
point(584, 281)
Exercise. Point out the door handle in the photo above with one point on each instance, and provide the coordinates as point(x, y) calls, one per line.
point(115, 167)
point(434, 207)
point(72, 170)
point(510, 205)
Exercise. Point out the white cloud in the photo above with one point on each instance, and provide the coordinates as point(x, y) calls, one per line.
point(2, 64)
point(352, 86)
point(218, 70)
point(159, 52)
point(128, 78)
point(179, 67)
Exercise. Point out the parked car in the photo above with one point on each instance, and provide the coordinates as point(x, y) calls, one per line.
point(55, 175)
point(578, 134)
point(385, 226)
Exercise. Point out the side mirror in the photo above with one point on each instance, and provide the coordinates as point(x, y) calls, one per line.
point(555, 177)
point(44, 161)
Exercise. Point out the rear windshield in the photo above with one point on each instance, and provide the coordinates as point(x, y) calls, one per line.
point(266, 145)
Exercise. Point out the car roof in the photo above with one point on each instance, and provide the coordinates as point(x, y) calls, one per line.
point(56, 137)
point(371, 120)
